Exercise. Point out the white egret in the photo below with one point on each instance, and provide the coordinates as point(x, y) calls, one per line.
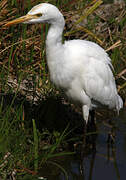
point(81, 68)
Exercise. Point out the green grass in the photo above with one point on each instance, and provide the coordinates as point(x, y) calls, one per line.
point(24, 77)
point(35, 146)
point(24, 145)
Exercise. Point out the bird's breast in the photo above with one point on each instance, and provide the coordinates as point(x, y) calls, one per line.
point(60, 76)
point(59, 68)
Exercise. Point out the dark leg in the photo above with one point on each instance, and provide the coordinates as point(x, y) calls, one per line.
point(91, 130)
point(91, 122)
point(89, 133)
point(111, 137)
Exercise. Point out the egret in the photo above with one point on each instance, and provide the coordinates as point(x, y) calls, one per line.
point(81, 68)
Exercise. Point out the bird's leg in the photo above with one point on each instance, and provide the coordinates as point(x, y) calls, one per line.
point(111, 136)
point(91, 120)
point(84, 135)
point(91, 127)
point(85, 110)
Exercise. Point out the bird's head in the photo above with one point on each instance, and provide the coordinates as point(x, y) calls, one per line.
point(41, 13)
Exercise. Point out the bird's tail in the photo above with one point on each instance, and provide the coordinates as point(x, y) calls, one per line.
point(119, 103)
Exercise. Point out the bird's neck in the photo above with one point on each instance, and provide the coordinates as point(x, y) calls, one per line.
point(54, 37)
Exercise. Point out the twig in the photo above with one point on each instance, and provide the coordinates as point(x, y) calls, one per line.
point(117, 44)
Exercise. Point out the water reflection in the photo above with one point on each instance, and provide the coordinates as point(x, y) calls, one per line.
point(108, 162)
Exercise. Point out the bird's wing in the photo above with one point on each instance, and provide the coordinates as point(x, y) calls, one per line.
point(89, 65)
point(99, 83)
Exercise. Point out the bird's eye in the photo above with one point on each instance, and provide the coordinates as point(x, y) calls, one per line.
point(39, 15)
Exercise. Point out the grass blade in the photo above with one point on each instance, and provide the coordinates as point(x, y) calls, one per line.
point(89, 11)
point(60, 167)
point(35, 146)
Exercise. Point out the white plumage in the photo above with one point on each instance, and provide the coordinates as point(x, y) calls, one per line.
point(81, 68)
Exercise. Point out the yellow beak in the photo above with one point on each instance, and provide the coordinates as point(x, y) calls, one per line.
point(21, 19)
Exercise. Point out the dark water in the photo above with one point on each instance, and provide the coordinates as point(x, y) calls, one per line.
point(107, 163)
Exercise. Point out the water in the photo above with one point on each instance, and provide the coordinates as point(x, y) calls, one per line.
point(108, 162)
